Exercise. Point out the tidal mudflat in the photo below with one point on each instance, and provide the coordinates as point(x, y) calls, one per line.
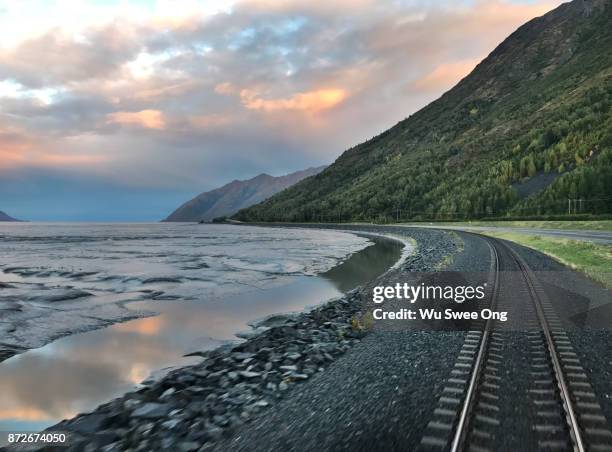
point(206, 283)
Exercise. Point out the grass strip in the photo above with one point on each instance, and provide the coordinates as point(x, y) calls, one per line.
point(599, 225)
point(593, 259)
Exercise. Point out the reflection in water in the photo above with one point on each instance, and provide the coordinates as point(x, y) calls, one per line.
point(77, 373)
point(149, 326)
point(364, 265)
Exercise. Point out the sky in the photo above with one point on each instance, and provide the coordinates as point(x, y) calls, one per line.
point(121, 110)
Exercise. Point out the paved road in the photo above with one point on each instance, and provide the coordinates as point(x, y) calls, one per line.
point(591, 236)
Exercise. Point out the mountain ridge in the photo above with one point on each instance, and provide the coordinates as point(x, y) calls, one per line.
point(235, 195)
point(540, 102)
point(5, 217)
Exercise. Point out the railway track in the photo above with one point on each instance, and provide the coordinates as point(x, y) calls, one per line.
point(517, 386)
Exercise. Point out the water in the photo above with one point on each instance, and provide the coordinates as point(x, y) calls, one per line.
point(67, 277)
point(207, 282)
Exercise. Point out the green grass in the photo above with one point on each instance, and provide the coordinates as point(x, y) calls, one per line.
point(601, 225)
point(593, 259)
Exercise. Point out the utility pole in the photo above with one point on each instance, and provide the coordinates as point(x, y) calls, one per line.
point(569, 206)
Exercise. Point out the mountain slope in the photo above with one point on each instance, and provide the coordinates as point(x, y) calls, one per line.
point(5, 217)
point(539, 105)
point(237, 195)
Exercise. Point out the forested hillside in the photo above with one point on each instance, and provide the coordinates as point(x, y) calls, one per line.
point(528, 129)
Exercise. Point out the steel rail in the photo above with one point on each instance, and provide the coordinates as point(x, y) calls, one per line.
point(463, 422)
point(571, 417)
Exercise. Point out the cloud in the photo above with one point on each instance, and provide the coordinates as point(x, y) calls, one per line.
point(149, 119)
point(445, 75)
point(57, 58)
point(225, 88)
point(349, 7)
point(163, 89)
point(309, 102)
point(12, 148)
point(19, 149)
point(19, 154)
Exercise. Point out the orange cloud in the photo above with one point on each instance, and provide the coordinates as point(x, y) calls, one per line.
point(18, 150)
point(504, 12)
point(149, 119)
point(9, 159)
point(445, 75)
point(12, 149)
point(311, 102)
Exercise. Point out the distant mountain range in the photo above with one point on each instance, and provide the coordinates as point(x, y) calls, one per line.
point(529, 128)
point(5, 217)
point(236, 195)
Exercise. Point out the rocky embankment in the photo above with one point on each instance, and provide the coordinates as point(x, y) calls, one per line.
point(193, 407)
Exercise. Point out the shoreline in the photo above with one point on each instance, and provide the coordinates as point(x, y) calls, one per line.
point(202, 403)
